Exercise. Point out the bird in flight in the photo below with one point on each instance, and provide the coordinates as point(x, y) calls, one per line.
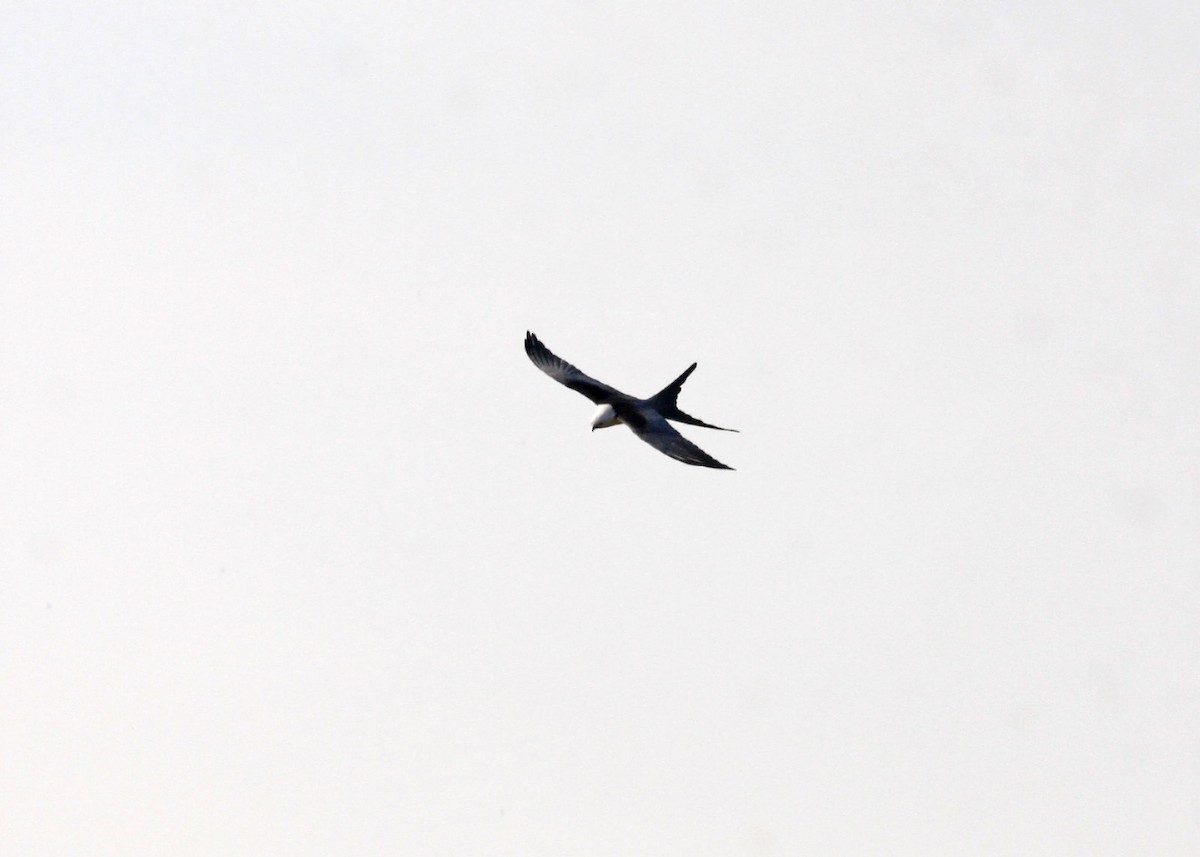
point(647, 418)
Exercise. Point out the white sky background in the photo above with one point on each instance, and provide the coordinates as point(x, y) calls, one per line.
point(301, 556)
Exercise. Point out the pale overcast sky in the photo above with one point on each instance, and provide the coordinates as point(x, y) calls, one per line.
point(302, 556)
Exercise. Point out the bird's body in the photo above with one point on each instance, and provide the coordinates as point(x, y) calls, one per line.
point(646, 418)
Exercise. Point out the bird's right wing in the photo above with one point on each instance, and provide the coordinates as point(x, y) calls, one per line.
point(566, 374)
point(661, 435)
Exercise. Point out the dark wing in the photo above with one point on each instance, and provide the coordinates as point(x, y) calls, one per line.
point(661, 435)
point(566, 374)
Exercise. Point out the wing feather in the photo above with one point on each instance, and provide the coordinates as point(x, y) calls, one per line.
point(661, 435)
point(566, 374)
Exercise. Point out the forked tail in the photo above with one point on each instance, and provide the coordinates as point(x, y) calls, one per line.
point(664, 402)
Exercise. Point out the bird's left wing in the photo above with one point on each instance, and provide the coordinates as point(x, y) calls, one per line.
point(566, 374)
point(661, 435)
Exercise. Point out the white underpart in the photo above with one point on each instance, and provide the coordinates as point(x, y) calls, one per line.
point(605, 417)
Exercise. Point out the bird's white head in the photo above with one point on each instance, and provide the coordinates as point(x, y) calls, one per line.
point(606, 416)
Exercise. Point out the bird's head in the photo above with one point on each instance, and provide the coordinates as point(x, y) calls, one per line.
point(606, 416)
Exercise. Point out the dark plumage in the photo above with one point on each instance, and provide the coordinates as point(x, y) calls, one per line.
point(647, 418)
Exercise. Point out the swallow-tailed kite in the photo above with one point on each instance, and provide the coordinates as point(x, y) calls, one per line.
point(647, 418)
